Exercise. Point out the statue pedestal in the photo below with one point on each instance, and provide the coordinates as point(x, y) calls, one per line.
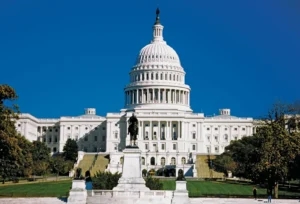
point(78, 193)
point(131, 179)
point(181, 195)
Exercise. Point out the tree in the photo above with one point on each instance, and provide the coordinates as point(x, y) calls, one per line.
point(224, 163)
point(40, 151)
point(15, 153)
point(60, 166)
point(41, 167)
point(70, 150)
point(153, 183)
point(105, 180)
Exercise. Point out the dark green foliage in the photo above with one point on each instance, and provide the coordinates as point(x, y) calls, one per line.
point(224, 163)
point(70, 150)
point(153, 183)
point(144, 172)
point(105, 180)
point(40, 151)
point(60, 166)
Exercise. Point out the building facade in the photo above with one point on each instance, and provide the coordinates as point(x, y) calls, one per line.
point(169, 132)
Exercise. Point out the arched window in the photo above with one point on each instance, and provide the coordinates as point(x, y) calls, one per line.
point(156, 76)
point(162, 161)
point(151, 76)
point(226, 137)
point(121, 160)
point(143, 160)
point(147, 76)
point(183, 160)
point(143, 77)
point(152, 161)
point(161, 76)
point(54, 149)
point(173, 161)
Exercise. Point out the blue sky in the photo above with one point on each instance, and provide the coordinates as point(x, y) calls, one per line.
point(64, 56)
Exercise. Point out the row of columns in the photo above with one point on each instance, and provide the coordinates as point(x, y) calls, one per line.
point(153, 95)
point(156, 76)
point(168, 130)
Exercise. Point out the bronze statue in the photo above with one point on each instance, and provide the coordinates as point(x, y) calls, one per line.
point(180, 176)
point(133, 129)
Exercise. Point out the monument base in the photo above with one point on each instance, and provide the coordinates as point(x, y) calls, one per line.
point(181, 195)
point(131, 179)
point(78, 193)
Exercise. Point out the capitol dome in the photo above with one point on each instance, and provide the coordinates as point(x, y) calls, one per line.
point(157, 80)
point(160, 52)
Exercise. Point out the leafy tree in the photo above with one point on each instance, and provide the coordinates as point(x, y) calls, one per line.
point(105, 180)
point(40, 151)
point(224, 163)
point(15, 153)
point(153, 183)
point(41, 167)
point(60, 166)
point(70, 150)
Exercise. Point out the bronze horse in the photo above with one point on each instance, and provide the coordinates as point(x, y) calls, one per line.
point(133, 129)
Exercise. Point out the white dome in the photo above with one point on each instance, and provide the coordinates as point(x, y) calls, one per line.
point(158, 52)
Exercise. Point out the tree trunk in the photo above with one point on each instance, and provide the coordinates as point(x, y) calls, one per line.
point(276, 191)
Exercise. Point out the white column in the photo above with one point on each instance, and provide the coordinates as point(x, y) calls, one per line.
point(179, 129)
point(158, 95)
point(183, 135)
point(159, 130)
point(142, 130)
point(175, 96)
point(150, 131)
point(148, 95)
point(137, 96)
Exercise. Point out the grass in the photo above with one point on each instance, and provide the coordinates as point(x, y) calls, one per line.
point(41, 189)
point(195, 188)
point(226, 189)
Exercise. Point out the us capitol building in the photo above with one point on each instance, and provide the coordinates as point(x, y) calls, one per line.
point(169, 132)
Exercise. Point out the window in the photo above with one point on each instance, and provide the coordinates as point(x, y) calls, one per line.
point(216, 128)
point(146, 146)
point(143, 160)
point(216, 138)
point(163, 146)
point(95, 138)
point(69, 128)
point(235, 137)
point(54, 149)
point(174, 146)
point(76, 128)
point(183, 161)
point(76, 138)
point(103, 138)
point(173, 161)
point(116, 124)
point(116, 135)
point(19, 125)
point(152, 161)
point(216, 149)
point(226, 137)
point(194, 125)
point(96, 128)
point(69, 136)
point(95, 149)
point(116, 146)
point(56, 130)
point(86, 128)
point(154, 125)
point(207, 129)
point(243, 129)
point(194, 147)
point(174, 125)
point(84, 149)
point(163, 136)
point(154, 147)
point(162, 161)
point(44, 139)
point(235, 129)
point(194, 135)
point(174, 136)
point(103, 128)
point(163, 125)
point(225, 128)
point(50, 129)
point(55, 139)
point(208, 149)
point(86, 138)
point(146, 125)
point(208, 138)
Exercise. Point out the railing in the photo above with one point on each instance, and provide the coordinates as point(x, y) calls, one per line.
point(135, 194)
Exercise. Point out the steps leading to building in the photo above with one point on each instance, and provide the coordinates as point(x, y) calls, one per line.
point(203, 170)
point(93, 162)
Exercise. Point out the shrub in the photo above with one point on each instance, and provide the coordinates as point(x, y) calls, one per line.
point(144, 172)
point(153, 183)
point(105, 180)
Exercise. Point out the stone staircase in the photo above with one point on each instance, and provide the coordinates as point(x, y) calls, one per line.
point(203, 170)
point(93, 163)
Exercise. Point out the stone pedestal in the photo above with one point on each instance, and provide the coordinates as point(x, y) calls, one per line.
point(78, 193)
point(131, 179)
point(181, 195)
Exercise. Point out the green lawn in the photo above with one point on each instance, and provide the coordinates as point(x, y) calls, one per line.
point(196, 189)
point(226, 189)
point(42, 189)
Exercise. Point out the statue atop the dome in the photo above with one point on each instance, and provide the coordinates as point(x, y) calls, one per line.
point(133, 129)
point(157, 16)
